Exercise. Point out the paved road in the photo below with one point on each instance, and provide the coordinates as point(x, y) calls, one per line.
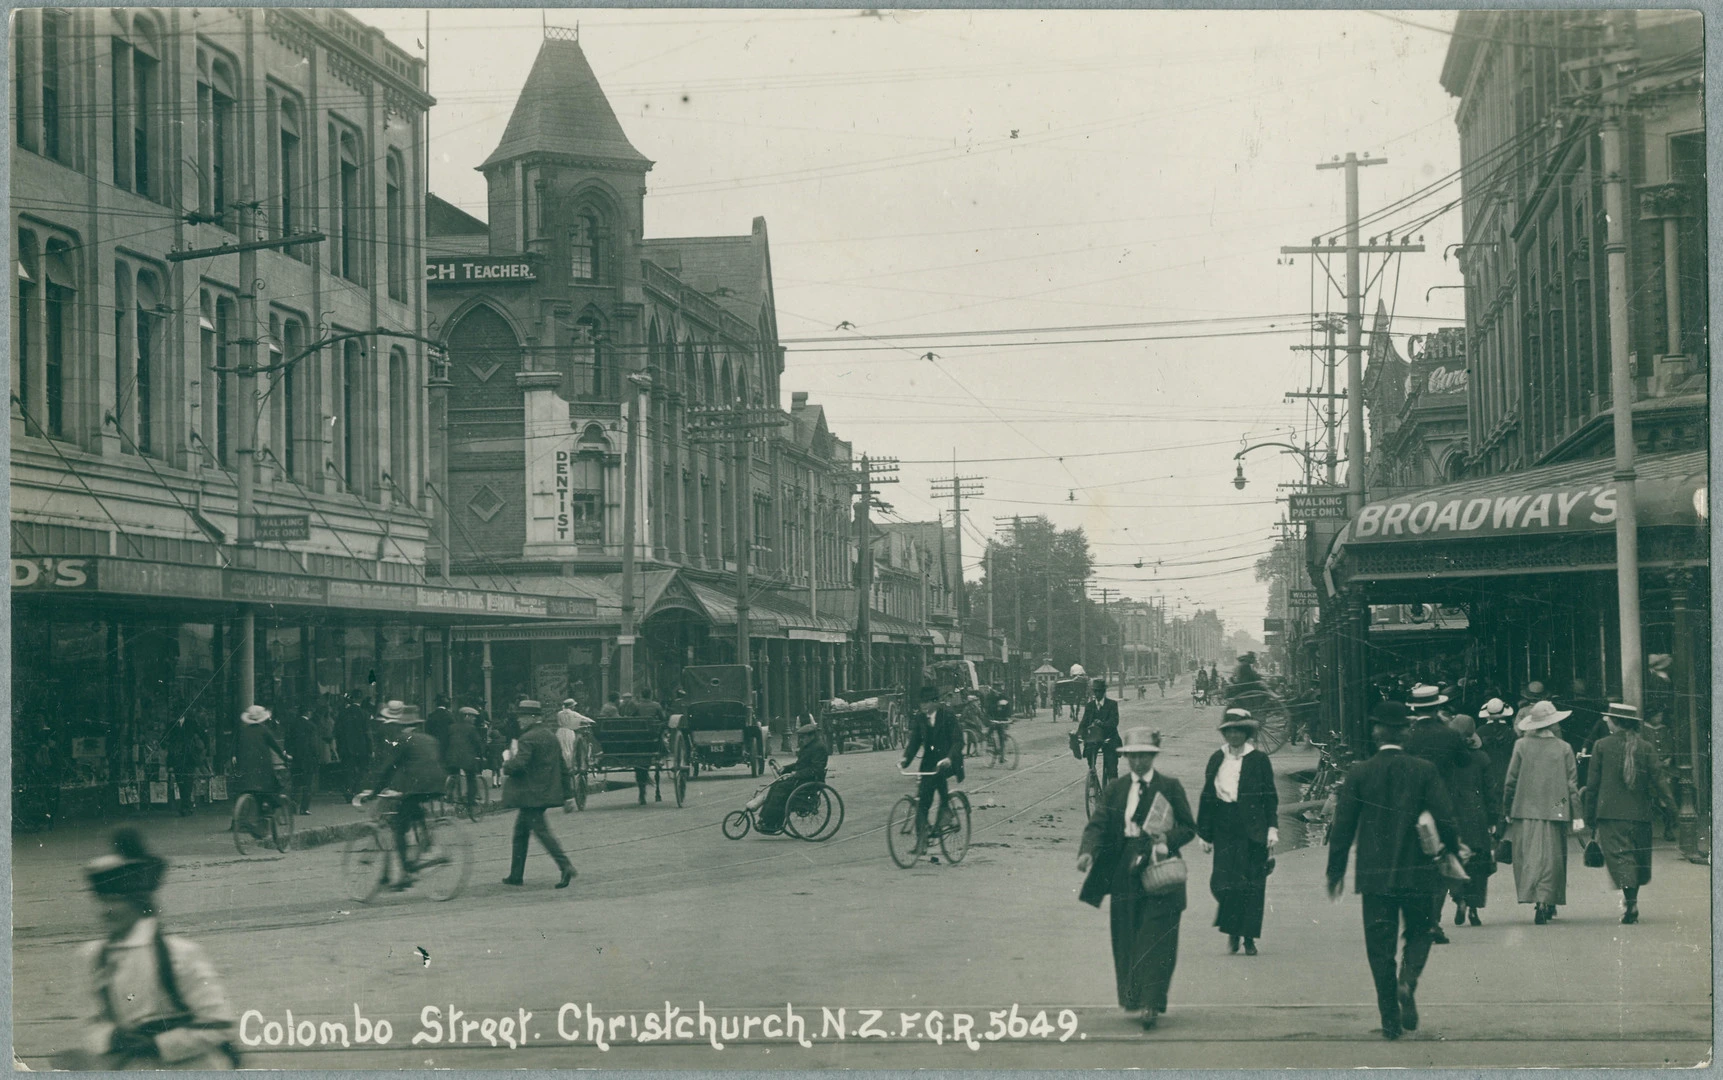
point(667, 914)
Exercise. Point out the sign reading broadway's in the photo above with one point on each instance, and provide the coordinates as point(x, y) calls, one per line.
point(480, 269)
point(1457, 513)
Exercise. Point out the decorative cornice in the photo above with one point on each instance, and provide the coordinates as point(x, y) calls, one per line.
point(350, 73)
point(1657, 201)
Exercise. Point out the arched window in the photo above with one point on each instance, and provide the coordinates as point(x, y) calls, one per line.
point(289, 176)
point(151, 320)
point(125, 341)
point(226, 383)
point(292, 382)
point(138, 107)
point(29, 329)
point(591, 376)
point(400, 467)
point(586, 247)
point(43, 88)
point(726, 386)
point(395, 219)
point(655, 365)
point(708, 383)
point(581, 519)
point(216, 131)
point(348, 208)
point(356, 431)
point(690, 373)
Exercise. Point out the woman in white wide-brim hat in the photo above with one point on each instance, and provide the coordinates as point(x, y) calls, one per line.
point(1238, 816)
point(1142, 816)
point(1540, 797)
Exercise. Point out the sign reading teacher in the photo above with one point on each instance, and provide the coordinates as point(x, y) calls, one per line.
point(507, 270)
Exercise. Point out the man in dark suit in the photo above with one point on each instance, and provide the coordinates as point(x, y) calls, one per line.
point(413, 766)
point(937, 735)
point(538, 779)
point(1433, 740)
point(1099, 730)
point(1380, 803)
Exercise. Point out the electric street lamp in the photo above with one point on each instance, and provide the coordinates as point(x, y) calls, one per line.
point(1238, 480)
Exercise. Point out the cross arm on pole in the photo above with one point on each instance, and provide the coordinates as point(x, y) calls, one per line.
point(1367, 249)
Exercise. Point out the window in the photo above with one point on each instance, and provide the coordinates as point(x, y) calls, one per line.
point(591, 376)
point(51, 35)
point(208, 380)
point(290, 381)
point(348, 209)
point(216, 131)
point(289, 174)
point(137, 109)
point(39, 90)
point(29, 277)
point(581, 519)
point(150, 322)
point(358, 449)
point(226, 357)
point(125, 338)
point(585, 257)
point(400, 400)
point(1687, 168)
point(395, 218)
point(47, 294)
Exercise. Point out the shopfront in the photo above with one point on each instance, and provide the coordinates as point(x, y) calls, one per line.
point(107, 653)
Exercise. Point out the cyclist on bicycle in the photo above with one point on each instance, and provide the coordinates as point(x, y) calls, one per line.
point(255, 753)
point(809, 767)
point(998, 719)
point(1099, 730)
point(464, 756)
point(937, 735)
point(414, 767)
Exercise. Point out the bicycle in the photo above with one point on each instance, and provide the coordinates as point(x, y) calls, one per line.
point(1000, 748)
point(455, 795)
point(367, 858)
point(813, 812)
point(1331, 767)
point(252, 827)
point(951, 828)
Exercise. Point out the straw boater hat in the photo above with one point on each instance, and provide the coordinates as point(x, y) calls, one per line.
point(569, 703)
point(397, 712)
point(1425, 696)
point(255, 714)
point(468, 710)
point(1540, 716)
point(1141, 741)
point(1239, 718)
point(1618, 711)
point(1495, 709)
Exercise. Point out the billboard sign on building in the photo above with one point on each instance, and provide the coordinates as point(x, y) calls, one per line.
point(481, 270)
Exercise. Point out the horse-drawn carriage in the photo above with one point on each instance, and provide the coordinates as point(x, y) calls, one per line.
point(1070, 694)
point(641, 745)
point(876, 717)
point(716, 723)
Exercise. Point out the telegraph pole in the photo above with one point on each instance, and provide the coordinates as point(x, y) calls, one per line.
point(873, 471)
point(958, 488)
point(1331, 425)
point(1017, 576)
point(1615, 64)
point(1354, 318)
point(1107, 644)
point(637, 384)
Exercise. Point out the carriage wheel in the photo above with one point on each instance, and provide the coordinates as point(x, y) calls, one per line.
point(679, 766)
point(1272, 735)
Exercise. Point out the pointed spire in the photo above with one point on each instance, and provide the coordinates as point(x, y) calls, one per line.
point(562, 110)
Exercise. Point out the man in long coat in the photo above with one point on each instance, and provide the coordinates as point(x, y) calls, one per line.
point(1099, 729)
point(1379, 807)
point(537, 780)
point(936, 734)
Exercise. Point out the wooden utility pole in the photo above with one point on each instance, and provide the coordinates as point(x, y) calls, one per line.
point(637, 384)
point(1331, 424)
point(958, 488)
point(873, 471)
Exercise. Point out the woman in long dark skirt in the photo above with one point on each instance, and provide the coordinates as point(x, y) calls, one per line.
point(1142, 817)
point(1475, 803)
point(1238, 818)
point(1625, 789)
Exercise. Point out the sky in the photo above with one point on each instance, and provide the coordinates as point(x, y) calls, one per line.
point(1078, 214)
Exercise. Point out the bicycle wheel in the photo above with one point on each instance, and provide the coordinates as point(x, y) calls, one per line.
point(245, 823)
point(836, 818)
point(737, 823)
point(474, 807)
point(365, 864)
point(954, 838)
point(1010, 755)
point(446, 873)
point(281, 824)
point(900, 832)
point(807, 811)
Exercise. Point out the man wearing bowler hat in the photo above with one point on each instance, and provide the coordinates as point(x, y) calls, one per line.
point(939, 738)
point(1379, 807)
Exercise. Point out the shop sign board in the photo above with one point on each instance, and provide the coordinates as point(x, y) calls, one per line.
point(1517, 513)
point(273, 588)
point(1273, 626)
point(373, 594)
point(276, 528)
point(1302, 598)
point(491, 270)
point(1321, 504)
point(53, 574)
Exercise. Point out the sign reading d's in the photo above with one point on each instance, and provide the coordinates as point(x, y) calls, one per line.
point(51, 572)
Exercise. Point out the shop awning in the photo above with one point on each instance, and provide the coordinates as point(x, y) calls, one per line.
point(1555, 518)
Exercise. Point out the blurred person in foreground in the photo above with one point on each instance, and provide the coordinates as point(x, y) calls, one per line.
point(159, 1002)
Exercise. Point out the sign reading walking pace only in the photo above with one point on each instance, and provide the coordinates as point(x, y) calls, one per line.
point(280, 527)
point(1321, 505)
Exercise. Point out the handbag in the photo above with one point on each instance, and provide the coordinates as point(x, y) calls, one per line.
point(1165, 875)
point(1593, 854)
point(1505, 851)
point(1076, 745)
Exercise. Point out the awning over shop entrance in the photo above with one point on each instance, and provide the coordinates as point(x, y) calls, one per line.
point(1559, 518)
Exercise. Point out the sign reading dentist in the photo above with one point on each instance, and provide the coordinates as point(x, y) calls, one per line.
point(508, 270)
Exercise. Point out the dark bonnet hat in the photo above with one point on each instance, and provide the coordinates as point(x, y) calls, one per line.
point(130, 871)
point(1390, 714)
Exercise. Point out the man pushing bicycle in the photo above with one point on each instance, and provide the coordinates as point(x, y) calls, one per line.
point(937, 734)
